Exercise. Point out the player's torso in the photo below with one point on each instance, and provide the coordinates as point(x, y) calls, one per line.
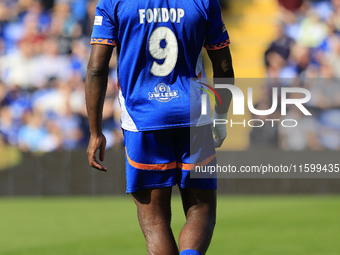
point(160, 42)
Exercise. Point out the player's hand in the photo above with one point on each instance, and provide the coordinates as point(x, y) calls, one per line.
point(96, 143)
point(219, 129)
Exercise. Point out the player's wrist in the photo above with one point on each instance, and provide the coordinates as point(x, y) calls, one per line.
point(96, 134)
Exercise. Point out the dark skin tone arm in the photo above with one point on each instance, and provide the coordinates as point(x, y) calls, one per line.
point(95, 90)
point(223, 68)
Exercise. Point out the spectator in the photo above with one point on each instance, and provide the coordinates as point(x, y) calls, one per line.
point(17, 67)
point(44, 49)
point(33, 136)
point(307, 49)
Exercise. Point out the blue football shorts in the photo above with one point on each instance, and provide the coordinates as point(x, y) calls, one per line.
point(164, 158)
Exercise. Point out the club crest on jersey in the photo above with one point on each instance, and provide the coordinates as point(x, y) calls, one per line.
point(163, 93)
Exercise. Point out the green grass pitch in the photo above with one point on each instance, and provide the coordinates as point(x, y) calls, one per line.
point(246, 225)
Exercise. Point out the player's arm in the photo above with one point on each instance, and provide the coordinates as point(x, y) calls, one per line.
point(95, 90)
point(223, 72)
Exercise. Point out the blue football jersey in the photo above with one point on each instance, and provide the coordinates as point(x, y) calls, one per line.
point(159, 44)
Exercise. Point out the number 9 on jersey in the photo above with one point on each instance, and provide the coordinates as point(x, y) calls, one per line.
point(169, 53)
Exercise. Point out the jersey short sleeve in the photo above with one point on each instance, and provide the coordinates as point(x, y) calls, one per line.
point(105, 30)
point(217, 35)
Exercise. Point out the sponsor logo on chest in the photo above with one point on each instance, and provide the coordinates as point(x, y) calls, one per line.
point(163, 93)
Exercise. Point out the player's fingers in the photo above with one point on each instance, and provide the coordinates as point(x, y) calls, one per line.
point(90, 156)
point(98, 166)
point(93, 161)
point(218, 142)
point(102, 149)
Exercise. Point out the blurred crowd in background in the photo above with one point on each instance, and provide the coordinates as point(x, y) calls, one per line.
point(305, 53)
point(44, 49)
